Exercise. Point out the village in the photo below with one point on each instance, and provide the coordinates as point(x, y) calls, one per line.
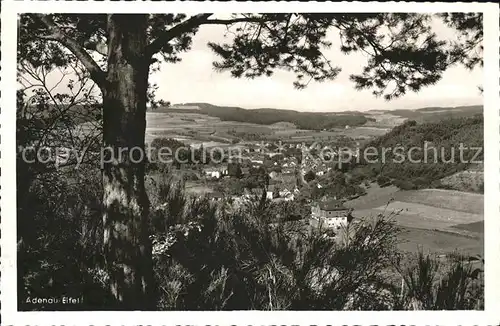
point(286, 172)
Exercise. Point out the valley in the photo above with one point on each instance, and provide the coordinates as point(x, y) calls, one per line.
point(439, 220)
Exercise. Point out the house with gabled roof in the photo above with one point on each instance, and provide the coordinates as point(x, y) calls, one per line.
point(330, 214)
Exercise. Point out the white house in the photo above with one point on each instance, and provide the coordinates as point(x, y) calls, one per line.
point(216, 172)
point(329, 214)
point(270, 192)
point(224, 170)
point(213, 174)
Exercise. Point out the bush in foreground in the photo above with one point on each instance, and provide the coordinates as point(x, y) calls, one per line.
point(213, 256)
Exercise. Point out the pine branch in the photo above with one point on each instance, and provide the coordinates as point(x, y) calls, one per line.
point(78, 50)
point(179, 29)
point(192, 23)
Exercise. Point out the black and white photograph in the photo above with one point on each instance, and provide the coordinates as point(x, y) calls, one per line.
point(249, 161)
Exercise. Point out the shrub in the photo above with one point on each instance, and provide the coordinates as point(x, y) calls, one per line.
point(383, 181)
point(216, 256)
point(436, 284)
point(189, 176)
point(309, 176)
point(421, 182)
point(404, 184)
point(59, 238)
point(250, 264)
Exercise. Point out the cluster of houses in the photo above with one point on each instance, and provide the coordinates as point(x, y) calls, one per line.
point(220, 171)
point(216, 172)
point(328, 213)
point(274, 159)
point(276, 192)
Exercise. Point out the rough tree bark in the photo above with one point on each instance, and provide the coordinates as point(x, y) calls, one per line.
point(127, 246)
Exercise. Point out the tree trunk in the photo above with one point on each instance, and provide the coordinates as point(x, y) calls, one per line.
point(127, 247)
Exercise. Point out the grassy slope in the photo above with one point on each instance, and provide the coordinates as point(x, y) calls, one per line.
point(436, 220)
point(428, 232)
point(413, 239)
point(473, 227)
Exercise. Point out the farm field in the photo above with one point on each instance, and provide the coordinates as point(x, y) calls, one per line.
point(431, 219)
point(378, 197)
point(384, 119)
point(473, 227)
point(375, 196)
point(413, 239)
point(195, 127)
point(422, 216)
point(449, 199)
point(354, 132)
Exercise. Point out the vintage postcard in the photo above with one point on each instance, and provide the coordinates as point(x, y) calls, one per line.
point(250, 163)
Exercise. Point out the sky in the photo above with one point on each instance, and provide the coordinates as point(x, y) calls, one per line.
point(194, 80)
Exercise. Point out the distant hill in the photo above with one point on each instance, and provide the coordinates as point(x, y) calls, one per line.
point(269, 116)
point(185, 107)
point(477, 108)
point(433, 114)
point(283, 119)
point(326, 120)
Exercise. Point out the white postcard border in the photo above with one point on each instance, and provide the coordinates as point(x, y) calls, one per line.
point(8, 179)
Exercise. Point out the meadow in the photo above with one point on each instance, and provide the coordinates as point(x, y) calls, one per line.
point(439, 242)
point(194, 128)
point(431, 219)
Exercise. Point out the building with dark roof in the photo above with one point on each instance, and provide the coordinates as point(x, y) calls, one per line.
point(331, 205)
point(329, 213)
point(215, 196)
